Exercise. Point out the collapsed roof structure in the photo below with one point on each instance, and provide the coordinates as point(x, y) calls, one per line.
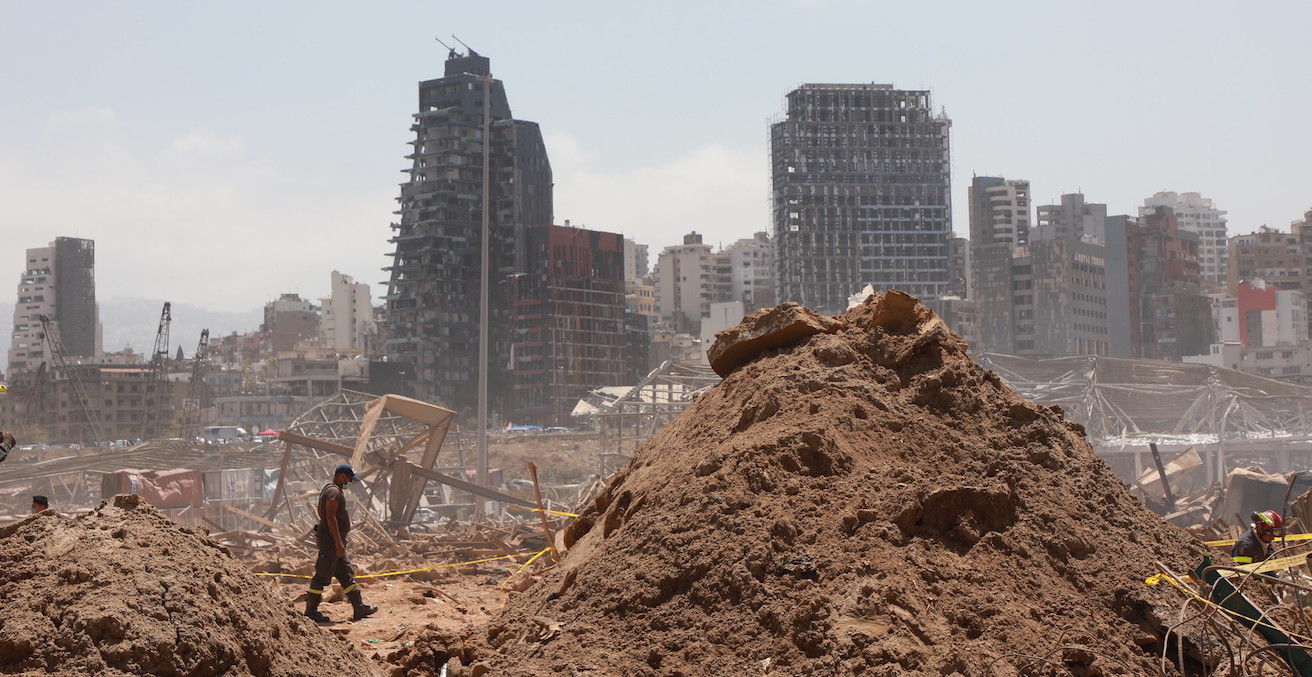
point(1231, 417)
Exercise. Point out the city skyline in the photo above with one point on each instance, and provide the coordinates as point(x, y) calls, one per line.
point(221, 156)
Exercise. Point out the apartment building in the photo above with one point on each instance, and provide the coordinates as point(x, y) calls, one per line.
point(1196, 214)
point(861, 194)
point(1270, 255)
point(1045, 298)
point(635, 261)
point(1072, 219)
point(688, 279)
point(59, 282)
point(1170, 314)
point(288, 321)
point(751, 271)
point(567, 322)
point(346, 320)
point(999, 211)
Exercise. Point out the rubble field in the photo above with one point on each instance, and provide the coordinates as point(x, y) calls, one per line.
point(124, 591)
point(856, 497)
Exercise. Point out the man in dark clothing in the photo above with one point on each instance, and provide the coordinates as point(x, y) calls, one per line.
point(1252, 546)
point(40, 503)
point(330, 536)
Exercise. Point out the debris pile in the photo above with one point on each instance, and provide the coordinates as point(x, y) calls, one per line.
point(862, 499)
point(124, 591)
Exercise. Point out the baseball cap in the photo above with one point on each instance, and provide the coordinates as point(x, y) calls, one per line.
point(347, 470)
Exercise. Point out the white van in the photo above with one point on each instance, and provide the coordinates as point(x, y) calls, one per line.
point(219, 434)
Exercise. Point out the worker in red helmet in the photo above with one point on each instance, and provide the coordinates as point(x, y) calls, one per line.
point(1253, 546)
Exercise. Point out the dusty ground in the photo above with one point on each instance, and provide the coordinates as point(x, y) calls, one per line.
point(864, 502)
point(406, 610)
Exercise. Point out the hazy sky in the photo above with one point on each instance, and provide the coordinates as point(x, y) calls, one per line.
point(222, 153)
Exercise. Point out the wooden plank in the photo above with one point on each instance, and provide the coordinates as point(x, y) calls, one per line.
point(415, 441)
point(470, 487)
point(318, 444)
point(371, 413)
point(398, 492)
point(282, 482)
point(502, 546)
point(415, 410)
point(256, 518)
point(542, 512)
point(214, 524)
point(417, 485)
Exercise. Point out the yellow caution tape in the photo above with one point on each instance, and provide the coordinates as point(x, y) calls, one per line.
point(1254, 568)
point(1269, 565)
point(1290, 537)
point(1158, 578)
point(412, 571)
point(553, 512)
point(1236, 614)
point(530, 561)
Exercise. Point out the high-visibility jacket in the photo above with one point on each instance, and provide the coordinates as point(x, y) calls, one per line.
point(1249, 548)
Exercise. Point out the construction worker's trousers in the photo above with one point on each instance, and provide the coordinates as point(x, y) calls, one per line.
point(328, 566)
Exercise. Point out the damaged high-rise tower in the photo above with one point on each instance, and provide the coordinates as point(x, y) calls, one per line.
point(432, 315)
point(861, 194)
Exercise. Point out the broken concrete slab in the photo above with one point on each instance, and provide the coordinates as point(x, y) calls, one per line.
point(765, 329)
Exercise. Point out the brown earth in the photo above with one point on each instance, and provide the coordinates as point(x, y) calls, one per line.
point(863, 502)
point(124, 591)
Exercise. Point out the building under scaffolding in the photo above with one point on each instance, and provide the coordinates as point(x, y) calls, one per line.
point(1233, 419)
point(431, 318)
point(861, 194)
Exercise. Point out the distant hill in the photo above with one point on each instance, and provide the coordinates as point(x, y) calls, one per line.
point(128, 321)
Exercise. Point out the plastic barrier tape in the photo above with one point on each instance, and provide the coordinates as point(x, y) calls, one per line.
point(1290, 537)
point(412, 571)
point(1209, 602)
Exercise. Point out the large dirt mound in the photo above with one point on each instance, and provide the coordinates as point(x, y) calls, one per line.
point(866, 502)
point(124, 591)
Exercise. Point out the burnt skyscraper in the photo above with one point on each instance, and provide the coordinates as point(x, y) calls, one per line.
point(431, 318)
point(861, 194)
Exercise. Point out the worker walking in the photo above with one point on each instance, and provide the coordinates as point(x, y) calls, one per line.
point(330, 535)
point(1254, 545)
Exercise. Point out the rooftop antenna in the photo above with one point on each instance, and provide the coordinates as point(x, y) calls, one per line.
point(462, 42)
point(452, 53)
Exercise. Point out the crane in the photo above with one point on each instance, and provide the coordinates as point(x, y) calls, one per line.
point(51, 335)
point(195, 404)
point(154, 406)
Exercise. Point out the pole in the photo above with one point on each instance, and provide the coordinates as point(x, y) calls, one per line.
point(1161, 474)
point(483, 285)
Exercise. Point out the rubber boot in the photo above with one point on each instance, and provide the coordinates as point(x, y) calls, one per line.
point(362, 610)
point(312, 609)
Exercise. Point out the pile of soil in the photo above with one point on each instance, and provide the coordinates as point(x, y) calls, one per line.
point(856, 497)
point(124, 591)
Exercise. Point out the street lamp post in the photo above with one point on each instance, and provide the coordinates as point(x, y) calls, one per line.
point(483, 285)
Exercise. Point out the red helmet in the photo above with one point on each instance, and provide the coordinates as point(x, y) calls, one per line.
point(1267, 519)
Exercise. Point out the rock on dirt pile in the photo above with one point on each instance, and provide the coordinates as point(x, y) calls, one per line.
point(859, 499)
point(124, 591)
